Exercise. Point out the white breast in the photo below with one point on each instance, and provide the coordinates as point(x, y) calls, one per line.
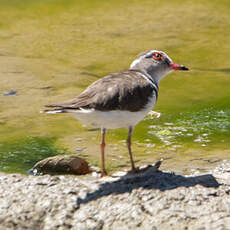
point(113, 119)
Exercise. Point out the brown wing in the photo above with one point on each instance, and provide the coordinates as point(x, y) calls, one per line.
point(119, 91)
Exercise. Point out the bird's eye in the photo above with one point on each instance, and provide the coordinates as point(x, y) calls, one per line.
point(157, 56)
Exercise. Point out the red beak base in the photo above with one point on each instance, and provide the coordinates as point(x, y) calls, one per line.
point(175, 66)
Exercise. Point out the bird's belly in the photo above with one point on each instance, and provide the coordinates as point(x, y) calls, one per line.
point(112, 119)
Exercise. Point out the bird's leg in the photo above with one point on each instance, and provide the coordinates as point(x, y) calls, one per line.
point(103, 132)
point(133, 169)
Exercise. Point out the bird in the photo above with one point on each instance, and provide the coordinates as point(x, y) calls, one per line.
point(121, 99)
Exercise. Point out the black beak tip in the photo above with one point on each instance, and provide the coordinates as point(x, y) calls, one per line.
point(184, 68)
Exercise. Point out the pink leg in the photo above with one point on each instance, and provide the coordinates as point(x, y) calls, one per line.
point(103, 173)
point(133, 169)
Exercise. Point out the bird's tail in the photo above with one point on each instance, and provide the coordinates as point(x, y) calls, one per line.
point(59, 108)
point(53, 111)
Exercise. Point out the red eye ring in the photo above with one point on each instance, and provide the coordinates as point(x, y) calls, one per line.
point(157, 56)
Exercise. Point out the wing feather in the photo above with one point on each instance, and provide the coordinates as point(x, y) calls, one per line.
point(119, 91)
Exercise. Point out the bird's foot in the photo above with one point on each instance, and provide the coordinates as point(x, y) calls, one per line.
point(104, 173)
point(134, 170)
point(144, 169)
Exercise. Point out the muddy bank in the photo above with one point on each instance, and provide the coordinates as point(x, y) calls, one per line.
point(152, 200)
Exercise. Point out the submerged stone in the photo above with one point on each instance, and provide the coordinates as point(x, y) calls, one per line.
point(66, 164)
point(10, 93)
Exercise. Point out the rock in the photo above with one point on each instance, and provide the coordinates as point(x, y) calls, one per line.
point(69, 164)
point(149, 200)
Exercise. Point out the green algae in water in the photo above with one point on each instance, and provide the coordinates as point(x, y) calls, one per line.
point(203, 128)
point(20, 155)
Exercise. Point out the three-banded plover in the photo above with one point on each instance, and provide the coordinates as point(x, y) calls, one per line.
point(121, 99)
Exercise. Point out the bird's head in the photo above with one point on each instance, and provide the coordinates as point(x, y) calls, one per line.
point(155, 63)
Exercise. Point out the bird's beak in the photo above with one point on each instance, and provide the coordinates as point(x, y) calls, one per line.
point(175, 66)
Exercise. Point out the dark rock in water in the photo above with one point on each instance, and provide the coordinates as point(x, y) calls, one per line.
point(66, 164)
point(47, 87)
point(10, 93)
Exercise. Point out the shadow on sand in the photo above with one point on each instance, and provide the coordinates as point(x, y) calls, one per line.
point(150, 179)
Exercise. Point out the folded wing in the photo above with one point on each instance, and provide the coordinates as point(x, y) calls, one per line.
point(119, 91)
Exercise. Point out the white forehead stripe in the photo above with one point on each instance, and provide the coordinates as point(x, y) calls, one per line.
point(136, 61)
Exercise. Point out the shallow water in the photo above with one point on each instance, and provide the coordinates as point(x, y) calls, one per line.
point(204, 128)
point(51, 50)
